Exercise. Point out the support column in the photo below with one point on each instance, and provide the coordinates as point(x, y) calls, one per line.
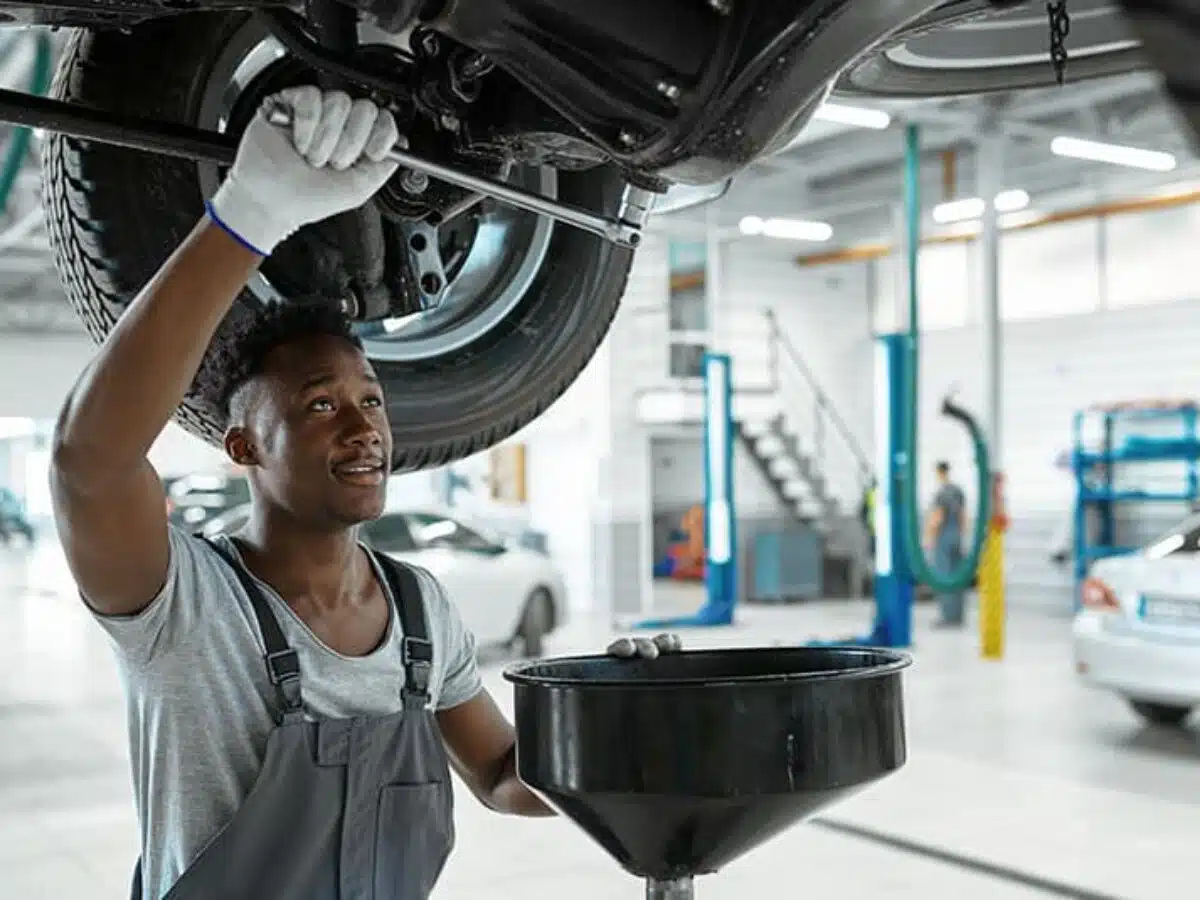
point(621, 512)
point(991, 568)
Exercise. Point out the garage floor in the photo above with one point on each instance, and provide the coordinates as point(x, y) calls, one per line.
point(1020, 782)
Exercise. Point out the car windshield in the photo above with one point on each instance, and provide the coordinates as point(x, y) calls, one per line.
point(390, 534)
point(440, 531)
point(1184, 538)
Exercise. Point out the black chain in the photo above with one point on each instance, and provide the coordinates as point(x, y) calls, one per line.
point(1060, 27)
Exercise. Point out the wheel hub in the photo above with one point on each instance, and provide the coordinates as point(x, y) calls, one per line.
point(470, 270)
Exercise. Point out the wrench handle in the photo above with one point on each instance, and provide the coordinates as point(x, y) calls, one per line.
point(623, 233)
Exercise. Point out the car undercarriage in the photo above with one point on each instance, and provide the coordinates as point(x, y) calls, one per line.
point(541, 133)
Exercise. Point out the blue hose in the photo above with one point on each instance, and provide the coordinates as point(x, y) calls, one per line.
point(964, 574)
point(18, 148)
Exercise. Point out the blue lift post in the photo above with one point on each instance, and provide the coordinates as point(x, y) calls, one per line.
point(720, 523)
point(894, 583)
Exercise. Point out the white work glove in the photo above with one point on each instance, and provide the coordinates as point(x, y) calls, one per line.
point(330, 160)
point(645, 648)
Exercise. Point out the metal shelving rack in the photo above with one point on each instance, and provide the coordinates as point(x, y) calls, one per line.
point(1121, 443)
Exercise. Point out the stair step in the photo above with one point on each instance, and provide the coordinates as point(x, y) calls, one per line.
point(798, 488)
point(784, 467)
point(754, 427)
point(769, 445)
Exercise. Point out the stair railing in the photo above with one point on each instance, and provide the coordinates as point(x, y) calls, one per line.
point(801, 393)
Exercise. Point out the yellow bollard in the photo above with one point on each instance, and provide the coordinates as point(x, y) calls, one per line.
point(991, 578)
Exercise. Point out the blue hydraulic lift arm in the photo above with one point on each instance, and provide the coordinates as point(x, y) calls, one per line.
point(963, 574)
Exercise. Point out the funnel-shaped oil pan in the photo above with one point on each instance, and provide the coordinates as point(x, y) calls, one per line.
point(681, 764)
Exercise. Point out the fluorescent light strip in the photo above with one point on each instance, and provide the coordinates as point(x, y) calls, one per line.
point(1116, 154)
point(786, 229)
point(857, 116)
point(972, 207)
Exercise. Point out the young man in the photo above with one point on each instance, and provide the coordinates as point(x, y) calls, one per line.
point(944, 528)
point(293, 700)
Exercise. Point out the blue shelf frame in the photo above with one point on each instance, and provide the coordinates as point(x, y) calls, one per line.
point(1183, 447)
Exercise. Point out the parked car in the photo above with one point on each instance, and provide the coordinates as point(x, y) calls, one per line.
point(507, 594)
point(192, 500)
point(1138, 630)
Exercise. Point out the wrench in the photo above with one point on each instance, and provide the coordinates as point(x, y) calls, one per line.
point(625, 230)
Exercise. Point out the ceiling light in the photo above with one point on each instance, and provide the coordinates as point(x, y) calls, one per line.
point(1011, 201)
point(972, 207)
point(787, 229)
point(958, 210)
point(1117, 154)
point(857, 116)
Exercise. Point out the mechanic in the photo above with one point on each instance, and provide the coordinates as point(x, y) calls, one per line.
point(944, 528)
point(293, 699)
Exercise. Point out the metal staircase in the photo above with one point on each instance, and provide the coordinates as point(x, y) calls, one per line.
point(800, 451)
point(788, 426)
point(797, 482)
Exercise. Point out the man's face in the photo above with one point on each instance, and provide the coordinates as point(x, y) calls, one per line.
point(314, 433)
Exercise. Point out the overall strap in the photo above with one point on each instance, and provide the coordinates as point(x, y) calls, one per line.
point(283, 665)
point(416, 647)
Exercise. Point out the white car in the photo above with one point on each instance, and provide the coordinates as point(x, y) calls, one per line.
point(1138, 630)
point(506, 594)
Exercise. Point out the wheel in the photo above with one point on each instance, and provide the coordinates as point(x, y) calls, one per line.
point(529, 303)
point(536, 623)
point(1161, 713)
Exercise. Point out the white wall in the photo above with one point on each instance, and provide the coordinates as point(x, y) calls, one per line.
point(677, 477)
point(825, 312)
point(37, 371)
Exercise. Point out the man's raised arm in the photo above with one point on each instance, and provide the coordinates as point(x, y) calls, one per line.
point(108, 501)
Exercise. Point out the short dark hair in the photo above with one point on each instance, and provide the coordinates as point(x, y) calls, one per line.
point(242, 350)
point(943, 467)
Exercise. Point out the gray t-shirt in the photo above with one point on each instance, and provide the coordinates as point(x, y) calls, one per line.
point(951, 501)
point(200, 704)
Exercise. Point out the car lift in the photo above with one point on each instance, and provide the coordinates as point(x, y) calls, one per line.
point(720, 524)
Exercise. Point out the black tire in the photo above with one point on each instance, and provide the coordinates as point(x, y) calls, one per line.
point(536, 622)
point(115, 215)
point(1164, 714)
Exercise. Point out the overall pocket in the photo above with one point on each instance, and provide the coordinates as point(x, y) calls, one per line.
point(413, 838)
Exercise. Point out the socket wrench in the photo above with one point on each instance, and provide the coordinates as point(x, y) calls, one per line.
point(625, 230)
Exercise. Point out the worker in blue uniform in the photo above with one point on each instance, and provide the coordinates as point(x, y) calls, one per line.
point(944, 528)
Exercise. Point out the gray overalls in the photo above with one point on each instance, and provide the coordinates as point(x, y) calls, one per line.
point(343, 809)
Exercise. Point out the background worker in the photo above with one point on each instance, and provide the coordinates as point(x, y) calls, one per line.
point(943, 536)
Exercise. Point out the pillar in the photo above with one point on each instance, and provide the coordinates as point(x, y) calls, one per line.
point(991, 566)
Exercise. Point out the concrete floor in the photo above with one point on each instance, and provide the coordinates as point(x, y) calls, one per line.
point(1017, 776)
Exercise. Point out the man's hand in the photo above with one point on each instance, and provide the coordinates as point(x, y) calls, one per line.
point(645, 648)
point(328, 161)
